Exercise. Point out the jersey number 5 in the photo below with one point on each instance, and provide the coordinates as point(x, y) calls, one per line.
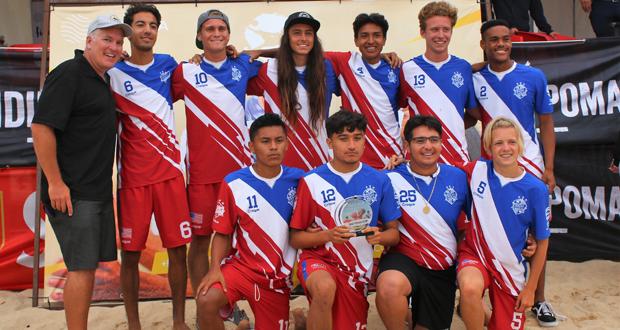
point(517, 321)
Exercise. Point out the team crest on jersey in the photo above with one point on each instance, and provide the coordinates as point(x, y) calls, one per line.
point(219, 209)
point(370, 194)
point(457, 79)
point(450, 195)
point(392, 76)
point(520, 91)
point(164, 76)
point(291, 195)
point(236, 74)
point(359, 71)
point(519, 205)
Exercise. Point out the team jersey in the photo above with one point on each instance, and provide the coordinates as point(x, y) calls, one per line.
point(373, 92)
point(503, 212)
point(319, 195)
point(518, 94)
point(148, 149)
point(217, 136)
point(308, 147)
point(429, 238)
point(442, 90)
point(257, 211)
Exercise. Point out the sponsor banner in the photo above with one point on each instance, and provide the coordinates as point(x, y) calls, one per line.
point(17, 203)
point(585, 205)
point(583, 79)
point(19, 92)
point(583, 84)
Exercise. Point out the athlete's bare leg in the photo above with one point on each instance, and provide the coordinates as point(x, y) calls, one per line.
point(198, 259)
point(539, 294)
point(177, 278)
point(77, 294)
point(322, 289)
point(471, 286)
point(393, 289)
point(208, 309)
point(130, 285)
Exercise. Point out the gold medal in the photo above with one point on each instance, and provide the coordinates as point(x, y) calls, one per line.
point(426, 209)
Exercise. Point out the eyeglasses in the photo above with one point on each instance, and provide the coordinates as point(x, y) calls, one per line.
point(423, 139)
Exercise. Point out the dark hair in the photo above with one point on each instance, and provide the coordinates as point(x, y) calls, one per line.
point(375, 18)
point(345, 119)
point(492, 23)
point(416, 121)
point(315, 82)
point(266, 120)
point(135, 8)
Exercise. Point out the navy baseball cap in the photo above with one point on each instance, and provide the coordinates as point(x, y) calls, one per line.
point(301, 17)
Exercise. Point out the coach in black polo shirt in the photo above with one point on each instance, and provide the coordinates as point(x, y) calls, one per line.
point(74, 134)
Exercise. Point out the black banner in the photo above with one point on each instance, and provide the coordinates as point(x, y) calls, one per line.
point(583, 85)
point(19, 92)
point(583, 79)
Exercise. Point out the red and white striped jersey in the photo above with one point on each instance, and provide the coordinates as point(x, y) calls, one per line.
point(217, 135)
point(148, 148)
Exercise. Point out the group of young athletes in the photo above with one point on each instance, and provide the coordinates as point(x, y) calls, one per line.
point(264, 197)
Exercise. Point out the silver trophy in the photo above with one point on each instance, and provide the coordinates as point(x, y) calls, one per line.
point(356, 213)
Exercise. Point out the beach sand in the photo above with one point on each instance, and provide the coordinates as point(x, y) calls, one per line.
point(587, 293)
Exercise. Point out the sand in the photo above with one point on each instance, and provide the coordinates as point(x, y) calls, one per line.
point(587, 293)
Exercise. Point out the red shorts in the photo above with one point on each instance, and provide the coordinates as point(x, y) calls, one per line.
point(504, 315)
point(270, 307)
point(166, 201)
point(350, 309)
point(202, 199)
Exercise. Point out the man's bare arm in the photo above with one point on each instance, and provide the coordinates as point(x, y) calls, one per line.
point(44, 141)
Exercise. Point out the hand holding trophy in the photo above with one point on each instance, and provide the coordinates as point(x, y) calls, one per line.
point(355, 213)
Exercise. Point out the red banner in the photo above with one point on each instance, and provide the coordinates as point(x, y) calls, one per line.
point(17, 200)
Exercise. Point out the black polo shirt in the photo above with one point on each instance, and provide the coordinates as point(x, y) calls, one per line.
point(78, 104)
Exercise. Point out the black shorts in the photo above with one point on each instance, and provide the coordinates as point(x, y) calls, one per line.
point(433, 290)
point(88, 236)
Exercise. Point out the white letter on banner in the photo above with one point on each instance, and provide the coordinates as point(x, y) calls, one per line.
point(564, 100)
point(614, 203)
point(554, 96)
point(568, 206)
point(556, 198)
point(591, 206)
point(30, 98)
point(594, 101)
point(11, 121)
point(613, 97)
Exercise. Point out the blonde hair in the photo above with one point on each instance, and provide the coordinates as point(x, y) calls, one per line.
point(501, 122)
point(437, 8)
